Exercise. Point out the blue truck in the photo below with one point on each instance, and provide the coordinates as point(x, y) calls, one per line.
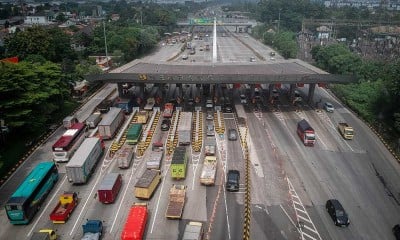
point(92, 230)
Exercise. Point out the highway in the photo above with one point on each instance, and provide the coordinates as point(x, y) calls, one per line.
point(290, 183)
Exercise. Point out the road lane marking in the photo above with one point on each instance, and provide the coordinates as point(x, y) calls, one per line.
point(158, 201)
point(47, 205)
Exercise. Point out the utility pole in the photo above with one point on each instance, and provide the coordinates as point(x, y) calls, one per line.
point(105, 42)
point(279, 19)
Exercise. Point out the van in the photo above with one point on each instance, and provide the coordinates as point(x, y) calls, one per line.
point(232, 134)
point(232, 180)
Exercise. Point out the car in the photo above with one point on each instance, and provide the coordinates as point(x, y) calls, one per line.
point(232, 180)
point(243, 99)
point(396, 231)
point(228, 108)
point(210, 116)
point(185, 57)
point(165, 124)
point(210, 130)
point(252, 59)
point(329, 107)
point(337, 212)
point(209, 103)
point(232, 134)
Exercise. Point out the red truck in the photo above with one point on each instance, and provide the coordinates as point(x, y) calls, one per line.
point(136, 221)
point(64, 208)
point(306, 133)
point(109, 188)
point(168, 110)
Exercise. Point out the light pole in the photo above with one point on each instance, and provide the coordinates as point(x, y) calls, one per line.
point(279, 19)
point(105, 42)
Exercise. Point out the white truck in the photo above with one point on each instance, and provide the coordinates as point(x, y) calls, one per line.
point(209, 170)
point(210, 146)
point(149, 104)
point(185, 128)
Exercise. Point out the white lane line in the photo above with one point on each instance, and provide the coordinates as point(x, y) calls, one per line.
point(287, 215)
point(122, 200)
point(84, 205)
point(158, 202)
point(227, 215)
point(47, 205)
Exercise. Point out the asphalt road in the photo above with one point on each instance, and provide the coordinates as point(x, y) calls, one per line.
point(290, 183)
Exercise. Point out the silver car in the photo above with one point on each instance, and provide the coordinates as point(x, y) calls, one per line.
point(232, 134)
point(329, 107)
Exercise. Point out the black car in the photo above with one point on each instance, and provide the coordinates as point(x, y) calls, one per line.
point(396, 231)
point(232, 134)
point(232, 182)
point(337, 213)
point(165, 124)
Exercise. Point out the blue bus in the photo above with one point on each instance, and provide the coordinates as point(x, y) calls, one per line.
point(29, 196)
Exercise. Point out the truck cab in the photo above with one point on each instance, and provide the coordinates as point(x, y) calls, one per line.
point(44, 234)
point(92, 230)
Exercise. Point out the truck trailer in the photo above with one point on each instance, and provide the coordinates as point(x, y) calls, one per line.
point(134, 132)
point(109, 187)
point(64, 207)
point(142, 117)
point(176, 203)
point(306, 133)
point(147, 184)
point(193, 231)
point(185, 128)
point(93, 120)
point(179, 163)
point(110, 123)
point(82, 164)
point(168, 110)
point(124, 156)
point(210, 145)
point(136, 221)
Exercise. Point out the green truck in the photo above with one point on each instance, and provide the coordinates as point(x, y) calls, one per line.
point(179, 163)
point(134, 133)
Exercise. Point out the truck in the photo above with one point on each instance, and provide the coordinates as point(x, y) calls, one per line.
point(209, 170)
point(93, 120)
point(176, 202)
point(179, 163)
point(209, 144)
point(185, 128)
point(155, 158)
point(147, 183)
point(193, 231)
point(346, 130)
point(124, 156)
point(168, 110)
point(125, 104)
point(64, 207)
point(134, 132)
point(44, 234)
point(109, 188)
point(68, 121)
point(142, 117)
point(82, 164)
point(149, 104)
point(306, 133)
point(136, 221)
point(92, 230)
point(105, 106)
point(110, 123)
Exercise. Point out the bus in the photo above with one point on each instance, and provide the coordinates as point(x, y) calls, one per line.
point(67, 144)
point(29, 196)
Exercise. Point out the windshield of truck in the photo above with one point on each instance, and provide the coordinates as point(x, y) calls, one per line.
point(348, 132)
point(310, 136)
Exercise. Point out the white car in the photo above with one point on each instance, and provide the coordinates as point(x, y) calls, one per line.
point(184, 57)
point(329, 107)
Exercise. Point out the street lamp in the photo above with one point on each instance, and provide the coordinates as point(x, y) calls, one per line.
point(279, 19)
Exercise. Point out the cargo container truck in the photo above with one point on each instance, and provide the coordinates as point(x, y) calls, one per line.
point(142, 117)
point(44, 234)
point(109, 187)
point(185, 128)
point(93, 120)
point(136, 221)
point(82, 164)
point(125, 104)
point(92, 230)
point(209, 146)
point(64, 207)
point(178, 163)
point(110, 123)
point(147, 184)
point(124, 156)
point(306, 133)
point(193, 231)
point(346, 130)
point(134, 132)
point(176, 202)
point(168, 110)
point(154, 160)
point(209, 170)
